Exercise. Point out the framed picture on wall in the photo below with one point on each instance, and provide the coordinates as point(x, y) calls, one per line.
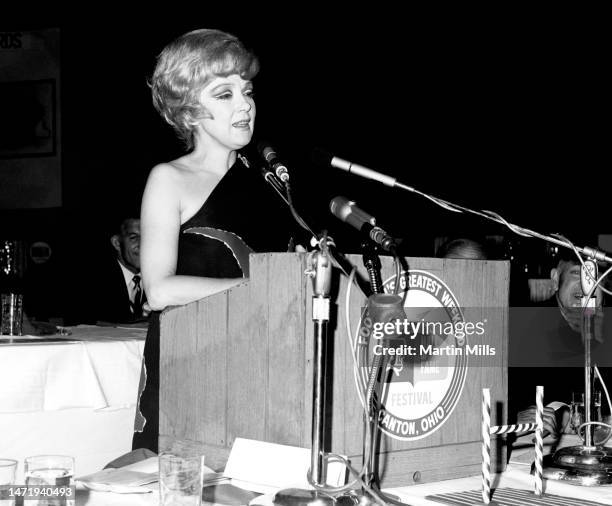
point(28, 125)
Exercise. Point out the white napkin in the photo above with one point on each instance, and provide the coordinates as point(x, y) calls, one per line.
point(135, 478)
point(138, 478)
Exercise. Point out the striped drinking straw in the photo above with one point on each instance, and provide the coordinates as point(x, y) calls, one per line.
point(486, 446)
point(539, 446)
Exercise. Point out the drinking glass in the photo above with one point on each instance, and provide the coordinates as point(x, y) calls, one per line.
point(53, 471)
point(8, 468)
point(12, 314)
point(181, 477)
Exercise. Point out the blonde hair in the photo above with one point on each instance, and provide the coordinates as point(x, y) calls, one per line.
point(186, 65)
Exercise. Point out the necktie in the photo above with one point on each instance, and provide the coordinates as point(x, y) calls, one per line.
point(137, 304)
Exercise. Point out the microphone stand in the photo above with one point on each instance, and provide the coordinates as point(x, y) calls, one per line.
point(371, 262)
point(590, 463)
point(320, 271)
point(374, 392)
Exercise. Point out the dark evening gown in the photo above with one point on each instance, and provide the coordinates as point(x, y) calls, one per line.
point(241, 215)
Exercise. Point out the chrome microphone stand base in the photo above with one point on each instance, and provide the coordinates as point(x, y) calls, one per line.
point(580, 465)
point(364, 499)
point(299, 497)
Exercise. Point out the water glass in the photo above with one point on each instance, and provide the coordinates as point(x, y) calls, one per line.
point(181, 478)
point(55, 471)
point(8, 468)
point(12, 314)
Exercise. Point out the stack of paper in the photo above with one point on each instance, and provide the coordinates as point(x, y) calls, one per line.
point(132, 479)
point(140, 477)
point(267, 467)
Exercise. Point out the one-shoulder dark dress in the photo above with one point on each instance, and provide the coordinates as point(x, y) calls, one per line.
point(241, 215)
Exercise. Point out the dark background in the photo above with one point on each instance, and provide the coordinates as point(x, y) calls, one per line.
point(502, 111)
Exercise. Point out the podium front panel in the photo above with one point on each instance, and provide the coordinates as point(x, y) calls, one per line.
point(239, 364)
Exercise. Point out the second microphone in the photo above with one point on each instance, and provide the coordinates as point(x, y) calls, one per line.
point(271, 157)
point(347, 211)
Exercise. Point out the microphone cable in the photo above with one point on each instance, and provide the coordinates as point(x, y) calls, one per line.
point(294, 212)
point(283, 189)
point(321, 157)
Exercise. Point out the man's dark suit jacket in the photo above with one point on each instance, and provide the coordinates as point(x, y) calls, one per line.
point(544, 350)
point(105, 298)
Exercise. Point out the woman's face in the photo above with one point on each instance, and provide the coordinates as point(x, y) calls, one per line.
point(229, 106)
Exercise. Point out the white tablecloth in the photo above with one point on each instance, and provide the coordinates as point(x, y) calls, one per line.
point(516, 476)
point(75, 397)
point(78, 398)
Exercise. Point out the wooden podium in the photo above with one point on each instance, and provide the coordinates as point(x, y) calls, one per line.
point(239, 364)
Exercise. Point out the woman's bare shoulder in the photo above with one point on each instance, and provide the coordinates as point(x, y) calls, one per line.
point(167, 172)
point(169, 176)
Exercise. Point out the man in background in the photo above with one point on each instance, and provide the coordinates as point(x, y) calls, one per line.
point(547, 347)
point(127, 304)
point(462, 248)
point(114, 292)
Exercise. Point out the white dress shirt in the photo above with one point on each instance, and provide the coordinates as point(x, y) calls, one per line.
point(129, 282)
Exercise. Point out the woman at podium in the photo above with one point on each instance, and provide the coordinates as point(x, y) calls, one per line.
point(203, 213)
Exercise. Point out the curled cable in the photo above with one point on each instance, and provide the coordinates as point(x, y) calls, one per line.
point(375, 494)
point(601, 424)
point(525, 232)
point(603, 384)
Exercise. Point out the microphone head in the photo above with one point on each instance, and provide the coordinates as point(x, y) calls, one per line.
point(387, 308)
point(266, 151)
point(340, 207)
point(347, 211)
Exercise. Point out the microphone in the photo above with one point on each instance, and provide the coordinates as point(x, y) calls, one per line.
point(271, 157)
point(323, 158)
point(588, 275)
point(384, 308)
point(347, 211)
